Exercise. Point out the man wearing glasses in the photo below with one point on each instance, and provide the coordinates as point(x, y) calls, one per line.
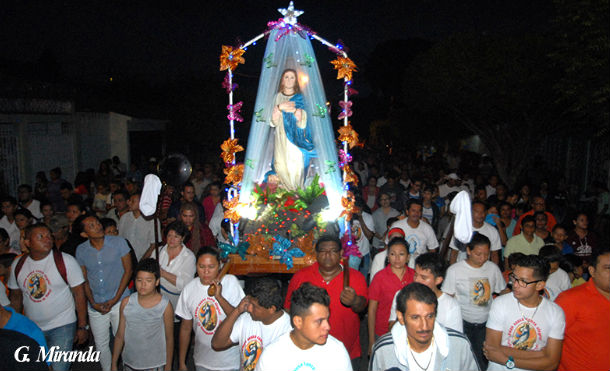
point(524, 329)
point(345, 302)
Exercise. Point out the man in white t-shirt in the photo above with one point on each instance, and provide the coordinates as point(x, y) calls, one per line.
point(417, 342)
point(257, 321)
point(524, 329)
point(58, 307)
point(135, 229)
point(479, 211)
point(452, 185)
point(558, 280)
point(420, 235)
point(309, 346)
point(430, 271)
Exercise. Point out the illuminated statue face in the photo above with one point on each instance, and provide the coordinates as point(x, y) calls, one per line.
point(289, 80)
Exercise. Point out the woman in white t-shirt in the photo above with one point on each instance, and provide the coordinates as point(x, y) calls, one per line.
point(202, 313)
point(472, 282)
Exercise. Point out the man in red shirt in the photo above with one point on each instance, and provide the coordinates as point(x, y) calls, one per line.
point(345, 303)
point(587, 309)
point(538, 204)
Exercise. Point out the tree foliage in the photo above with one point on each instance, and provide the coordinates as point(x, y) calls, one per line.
point(582, 50)
point(498, 87)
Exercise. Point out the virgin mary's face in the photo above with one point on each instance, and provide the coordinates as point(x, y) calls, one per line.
point(289, 80)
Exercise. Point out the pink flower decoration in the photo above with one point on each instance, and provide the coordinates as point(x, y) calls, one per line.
point(234, 110)
point(227, 86)
point(344, 158)
point(347, 111)
point(349, 245)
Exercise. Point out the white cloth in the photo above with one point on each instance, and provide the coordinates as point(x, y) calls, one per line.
point(215, 223)
point(13, 232)
point(557, 282)
point(444, 190)
point(448, 312)
point(206, 313)
point(287, 157)
point(253, 336)
point(47, 299)
point(183, 266)
point(364, 245)
point(283, 354)
point(401, 345)
point(138, 231)
point(420, 239)
point(488, 231)
point(4, 301)
point(490, 190)
point(378, 263)
point(150, 194)
point(472, 287)
point(531, 333)
point(34, 208)
point(462, 209)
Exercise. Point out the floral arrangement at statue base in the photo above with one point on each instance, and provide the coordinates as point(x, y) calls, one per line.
point(284, 224)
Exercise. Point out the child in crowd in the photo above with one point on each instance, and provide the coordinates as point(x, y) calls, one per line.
point(146, 326)
point(202, 313)
point(102, 202)
point(558, 279)
point(574, 266)
point(512, 258)
point(110, 227)
point(472, 281)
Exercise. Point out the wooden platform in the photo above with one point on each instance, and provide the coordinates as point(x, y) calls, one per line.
point(254, 265)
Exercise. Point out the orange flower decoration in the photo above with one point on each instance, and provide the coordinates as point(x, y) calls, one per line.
point(349, 206)
point(305, 243)
point(231, 210)
point(234, 174)
point(230, 58)
point(259, 245)
point(229, 148)
point(350, 176)
point(345, 67)
point(349, 135)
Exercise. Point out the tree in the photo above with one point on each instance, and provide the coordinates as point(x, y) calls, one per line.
point(582, 50)
point(498, 87)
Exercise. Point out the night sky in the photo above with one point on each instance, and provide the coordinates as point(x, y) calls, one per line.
point(93, 40)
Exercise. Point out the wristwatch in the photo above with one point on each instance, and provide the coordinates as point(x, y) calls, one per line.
point(510, 364)
point(86, 328)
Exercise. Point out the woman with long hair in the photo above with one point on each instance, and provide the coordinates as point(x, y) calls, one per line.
point(200, 232)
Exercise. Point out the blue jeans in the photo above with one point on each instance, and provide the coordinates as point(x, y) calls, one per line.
point(63, 337)
point(356, 262)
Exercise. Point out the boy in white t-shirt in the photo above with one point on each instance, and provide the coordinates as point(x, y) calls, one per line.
point(558, 280)
point(430, 271)
point(203, 313)
point(472, 282)
point(309, 346)
point(257, 321)
point(524, 329)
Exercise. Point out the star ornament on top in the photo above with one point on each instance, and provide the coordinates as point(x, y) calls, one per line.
point(290, 14)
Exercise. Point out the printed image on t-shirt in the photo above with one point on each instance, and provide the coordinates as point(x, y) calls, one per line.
point(356, 231)
point(207, 315)
point(304, 366)
point(251, 351)
point(523, 335)
point(37, 285)
point(480, 291)
point(413, 241)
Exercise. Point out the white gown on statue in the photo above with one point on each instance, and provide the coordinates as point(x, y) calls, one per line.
point(287, 158)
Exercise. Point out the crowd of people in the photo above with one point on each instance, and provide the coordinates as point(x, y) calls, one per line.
point(80, 264)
